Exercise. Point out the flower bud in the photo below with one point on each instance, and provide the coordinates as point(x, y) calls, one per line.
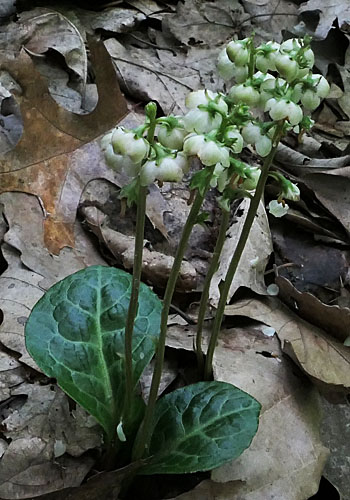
point(226, 68)
point(251, 133)
point(321, 86)
point(125, 143)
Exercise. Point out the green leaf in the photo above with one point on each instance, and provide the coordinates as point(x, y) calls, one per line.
point(199, 179)
point(200, 427)
point(75, 333)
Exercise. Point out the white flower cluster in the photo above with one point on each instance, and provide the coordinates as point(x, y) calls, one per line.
point(272, 77)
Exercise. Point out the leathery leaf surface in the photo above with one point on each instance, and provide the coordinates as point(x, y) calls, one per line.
point(200, 427)
point(75, 333)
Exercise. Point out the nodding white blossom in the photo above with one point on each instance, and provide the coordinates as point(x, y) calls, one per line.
point(232, 133)
point(252, 135)
point(253, 175)
point(200, 120)
point(172, 138)
point(287, 67)
point(229, 70)
point(244, 93)
point(126, 143)
point(208, 151)
point(321, 85)
point(291, 191)
point(278, 209)
point(219, 178)
point(123, 152)
point(265, 59)
point(238, 52)
point(168, 169)
point(280, 109)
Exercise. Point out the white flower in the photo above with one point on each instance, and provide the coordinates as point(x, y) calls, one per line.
point(219, 177)
point(321, 85)
point(121, 163)
point(265, 60)
point(250, 183)
point(278, 209)
point(286, 66)
point(263, 146)
point(232, 132)
point(251, 133)
point(291, 192)
point(310, 99)
point(200, 121)
point(226, 68)
point(169, 169)
point(237, 52)
point(280, 109)
point(125, 143)
point(172, 138)
point(245, 94)
point(208, 151)
point(198, 97)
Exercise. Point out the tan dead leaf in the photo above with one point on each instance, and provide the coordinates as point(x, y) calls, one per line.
point(273, 23)
point(31, 268)
point(205, 23)
point(54, 158)
point(286, 457)
point(44, 437)
point(321, 357)
point(156, 266)
point(12, 373)
point(142, 75)
point(328, 12)
point(250, 271)
point(334, 319)
point(344, 100)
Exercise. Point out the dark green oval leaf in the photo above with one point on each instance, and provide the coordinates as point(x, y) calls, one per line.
point(200, 427)
point(75, 333)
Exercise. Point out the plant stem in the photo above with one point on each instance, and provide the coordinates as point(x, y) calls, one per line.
point(225, 218)
point(133, 304)
point(144, 436)
point(151, 111)
point(224, 291)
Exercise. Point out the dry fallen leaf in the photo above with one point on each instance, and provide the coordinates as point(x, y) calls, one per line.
point(40, 432)
point(53, 159)
point(334, 319)
point(250, 271)
point(286, 457)
point(328, 11)
point(321, 357)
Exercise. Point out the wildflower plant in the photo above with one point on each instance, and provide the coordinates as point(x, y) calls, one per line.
point(101, 327)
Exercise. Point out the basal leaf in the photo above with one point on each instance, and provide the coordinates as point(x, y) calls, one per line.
point(200, 427)
point(75, 334)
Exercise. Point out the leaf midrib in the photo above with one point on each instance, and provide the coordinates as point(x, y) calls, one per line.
point(106, 372)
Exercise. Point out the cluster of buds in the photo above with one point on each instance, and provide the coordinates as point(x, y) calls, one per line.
point(272, 78)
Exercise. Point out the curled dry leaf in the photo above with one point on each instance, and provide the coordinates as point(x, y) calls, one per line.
point(334, 319)
point(41, 431)
point(31, 268)
point(320, 356)
point(286, 457)
point(142, 75)
point(156, 266)
point(328, 11)
point(204, 23)
point(53, 159)
point(250, 271)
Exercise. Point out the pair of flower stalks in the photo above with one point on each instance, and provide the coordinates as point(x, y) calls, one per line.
point(273, 78)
